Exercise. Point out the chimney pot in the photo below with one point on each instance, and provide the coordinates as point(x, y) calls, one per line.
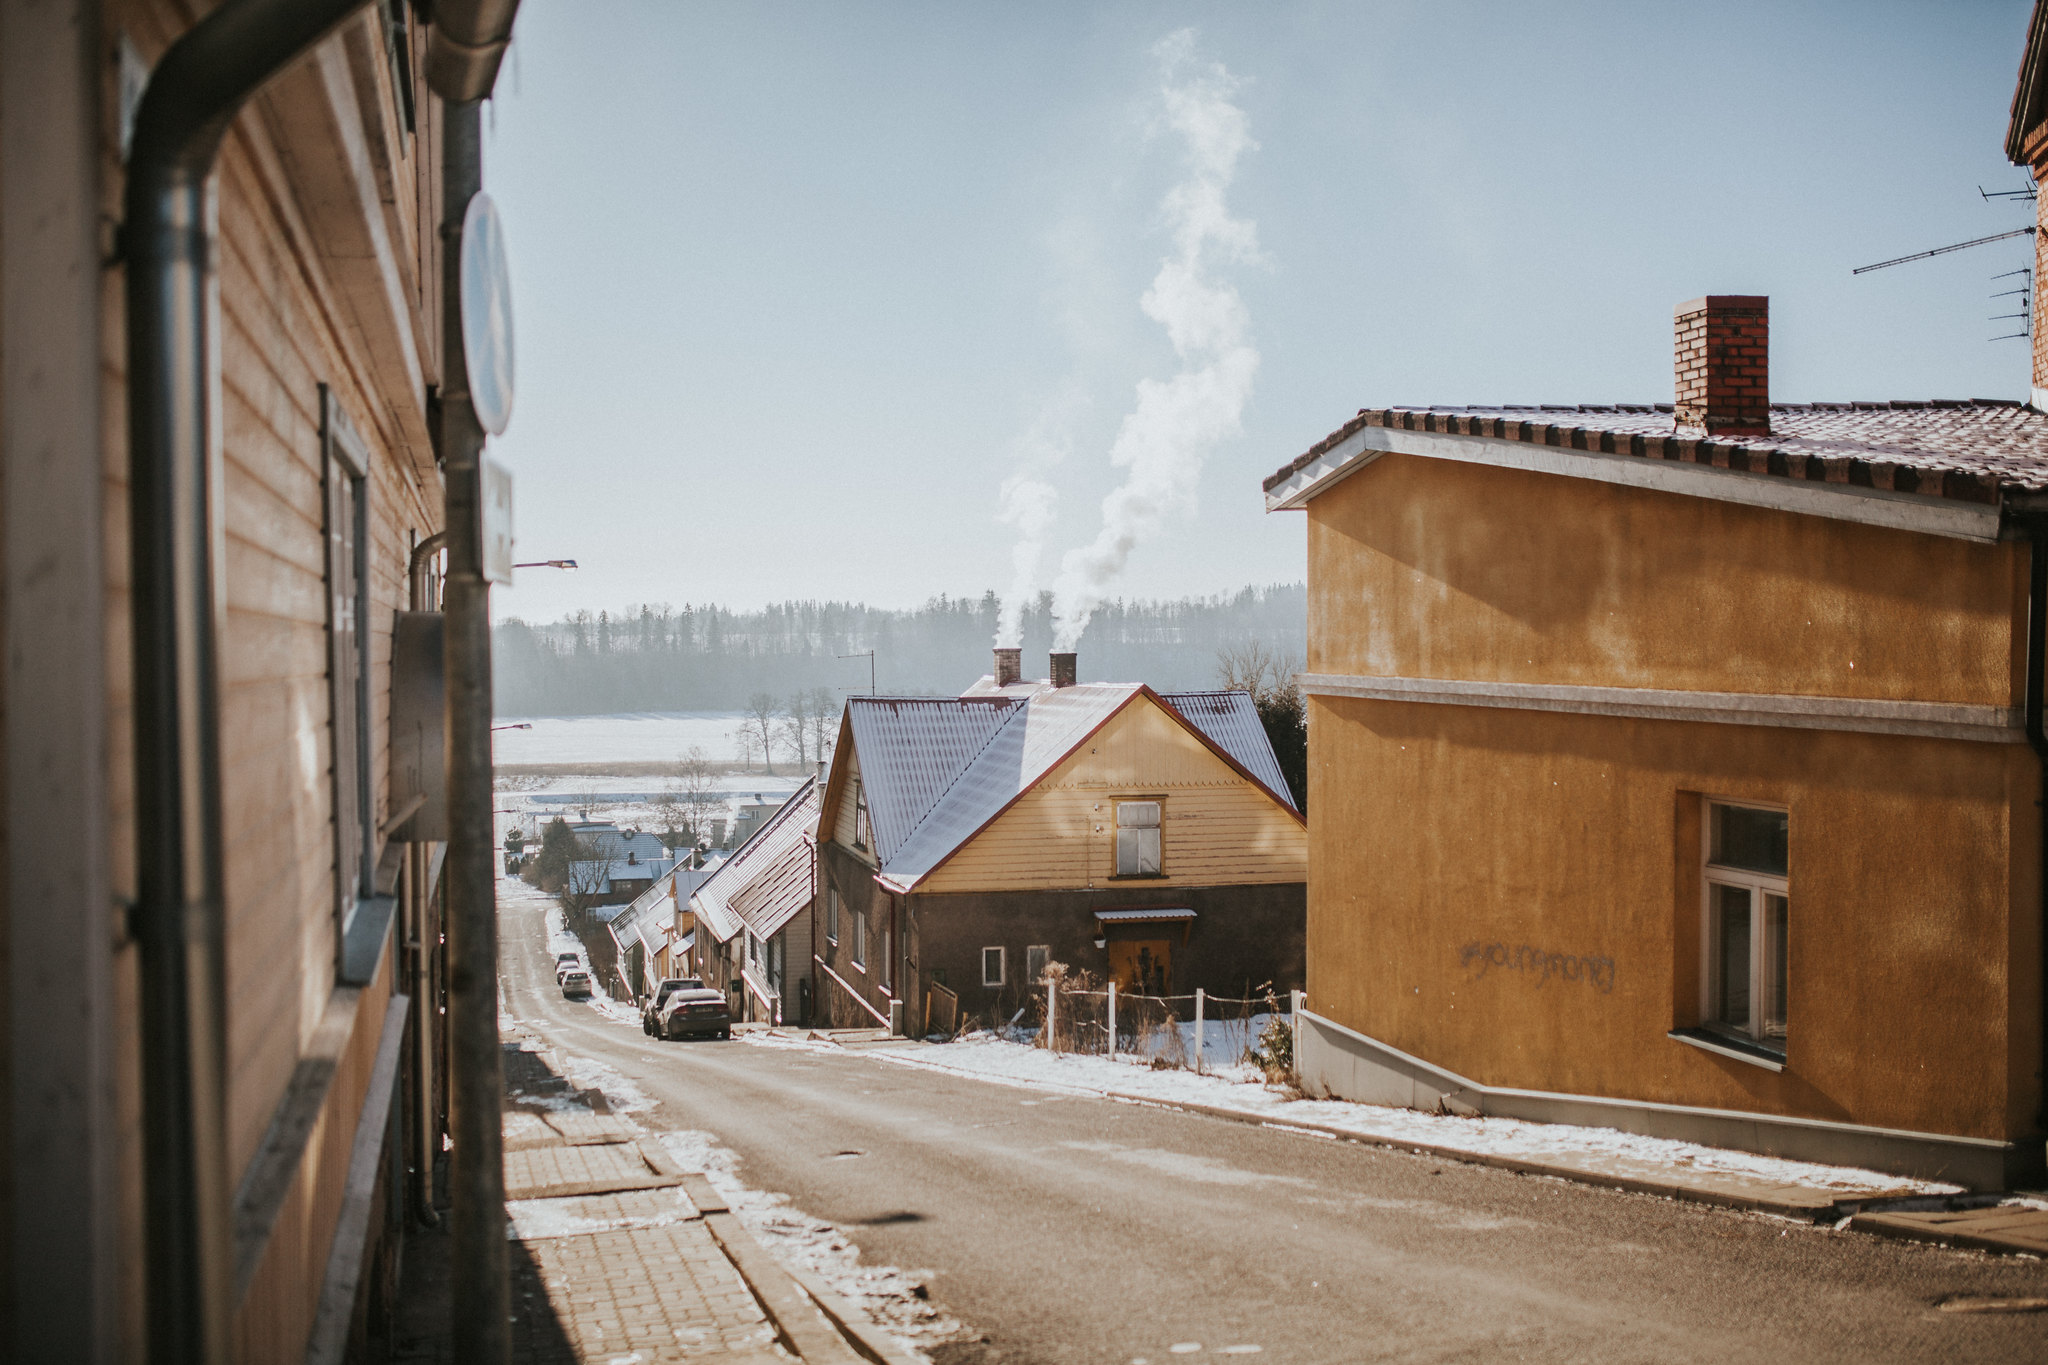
point(1063, 669)
point(1722, 364)
point(1009, 666)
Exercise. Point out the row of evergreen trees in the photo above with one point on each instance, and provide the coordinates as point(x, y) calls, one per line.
point(712, 658)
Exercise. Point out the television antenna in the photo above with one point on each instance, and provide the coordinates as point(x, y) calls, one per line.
point(2024, 293)
point(869, 655)
point(1944, 250)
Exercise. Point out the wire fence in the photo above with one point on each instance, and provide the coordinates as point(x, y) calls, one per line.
point(1197, 1032)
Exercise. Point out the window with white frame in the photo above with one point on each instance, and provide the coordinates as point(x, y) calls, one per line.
point(862, 835)
point(1035, 958)
point(831, 915)
point(1748, 911)
point(860, 940)
point(1137, 839)
point(992, 964)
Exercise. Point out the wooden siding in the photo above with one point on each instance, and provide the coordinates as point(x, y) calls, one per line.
point(843, 824)
point(289, 322)
point(1220, 829)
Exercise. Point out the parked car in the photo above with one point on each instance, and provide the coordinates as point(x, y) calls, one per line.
point(696, 1011)
point(565, 963)
point(576, 984)
point(651, 1005)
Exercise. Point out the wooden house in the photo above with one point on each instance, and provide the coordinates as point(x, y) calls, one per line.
point(966, 842)
point(221, 1047)
point(752, 916)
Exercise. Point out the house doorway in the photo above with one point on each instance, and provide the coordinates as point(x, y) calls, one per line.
point(1142, 966)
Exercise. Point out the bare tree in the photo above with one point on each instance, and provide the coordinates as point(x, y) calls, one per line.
point(585, 880)
point(824, 708)
point(809, 723)
point(763, 712)
point(1269, 677)
point(685, 808)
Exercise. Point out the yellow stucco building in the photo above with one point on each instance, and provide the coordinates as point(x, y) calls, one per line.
point(1670, 766)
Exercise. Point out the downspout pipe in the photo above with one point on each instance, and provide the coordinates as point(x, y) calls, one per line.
point(2037, 735)
point(425, 1137)
point(167, 246)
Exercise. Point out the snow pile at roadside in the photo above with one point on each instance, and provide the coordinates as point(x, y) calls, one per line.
point(1557, 1143)
point(889, 1297)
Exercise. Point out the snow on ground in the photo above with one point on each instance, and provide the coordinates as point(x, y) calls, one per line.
point(1563, 1144)
point(890, 1297)
point(627, 737)
point(570, 1217)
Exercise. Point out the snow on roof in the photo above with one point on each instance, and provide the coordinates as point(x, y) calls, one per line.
point(1034, 737)
point(753, 885)
point(1232, 724)
point(911, 750)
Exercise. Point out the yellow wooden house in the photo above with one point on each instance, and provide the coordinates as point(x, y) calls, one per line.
point(966, 842)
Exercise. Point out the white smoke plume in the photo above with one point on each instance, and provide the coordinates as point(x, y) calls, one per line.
point(1029, 500)
point(1177, 421)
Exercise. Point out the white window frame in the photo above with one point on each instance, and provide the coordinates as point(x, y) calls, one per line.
point(860, 941)
point(1757, 1033)
point(831, 915)
point(1135, 805)
point(1002, 966)
point(1035, 959)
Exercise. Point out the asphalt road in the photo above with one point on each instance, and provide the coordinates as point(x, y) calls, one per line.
point(1064, 1229)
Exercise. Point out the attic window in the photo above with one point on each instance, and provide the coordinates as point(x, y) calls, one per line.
point(1137, 839)
point(862, 835)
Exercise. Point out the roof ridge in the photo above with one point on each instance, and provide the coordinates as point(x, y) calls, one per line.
point(1022, 707)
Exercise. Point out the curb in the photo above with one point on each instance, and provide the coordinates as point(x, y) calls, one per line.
point(784, 1293)
point(1825, 1205)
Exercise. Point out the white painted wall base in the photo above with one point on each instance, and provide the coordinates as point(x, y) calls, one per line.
point(1344, 1064)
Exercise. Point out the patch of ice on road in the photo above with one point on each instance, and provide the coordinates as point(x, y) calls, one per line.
point(1019, 1064)
point(892, 1298)
point(1205, 1170)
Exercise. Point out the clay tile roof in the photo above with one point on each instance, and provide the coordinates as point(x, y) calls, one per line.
point(1969, 449)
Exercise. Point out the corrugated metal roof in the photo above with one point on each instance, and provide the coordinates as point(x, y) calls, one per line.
point(726, 899)
point(1232, 724)
point(1032, 739)
point(912, 749)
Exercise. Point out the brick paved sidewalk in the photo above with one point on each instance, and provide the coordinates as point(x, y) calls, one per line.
point(618, 1254)
point(2008, 1226)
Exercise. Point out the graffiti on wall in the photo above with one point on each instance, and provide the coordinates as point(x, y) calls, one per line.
point(1597, 972)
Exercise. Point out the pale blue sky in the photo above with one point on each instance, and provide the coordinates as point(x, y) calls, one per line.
point(794, 281)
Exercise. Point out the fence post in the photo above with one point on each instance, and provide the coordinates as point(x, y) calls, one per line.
point(1052, 996)
point(1112, 1019)
point(1295, 1000)
point(1198, 1030)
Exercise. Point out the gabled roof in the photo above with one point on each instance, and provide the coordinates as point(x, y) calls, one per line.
point(2030, 97)
point(1942, 465)
point(916, 762)
point(754, 885)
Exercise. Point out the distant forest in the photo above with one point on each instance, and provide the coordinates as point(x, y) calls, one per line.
point(710, 658)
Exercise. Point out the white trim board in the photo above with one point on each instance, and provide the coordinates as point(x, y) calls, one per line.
point(1932, 720)
point(1843, 502)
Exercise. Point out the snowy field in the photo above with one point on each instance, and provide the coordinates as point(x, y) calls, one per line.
point(629, 737)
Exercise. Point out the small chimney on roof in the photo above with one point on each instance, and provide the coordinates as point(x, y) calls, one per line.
point(1063, 666)
point(1009, 666)
point(1723, 365)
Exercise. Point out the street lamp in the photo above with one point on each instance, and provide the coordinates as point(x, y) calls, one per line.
point(548, 564)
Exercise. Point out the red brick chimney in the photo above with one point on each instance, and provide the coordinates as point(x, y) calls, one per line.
point(1724, 365)
point(1009, 665)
